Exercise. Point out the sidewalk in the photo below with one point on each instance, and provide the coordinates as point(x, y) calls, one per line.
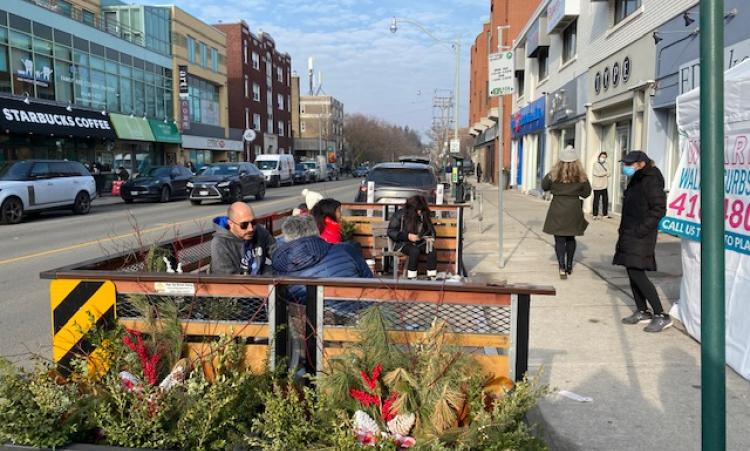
point(645, 387)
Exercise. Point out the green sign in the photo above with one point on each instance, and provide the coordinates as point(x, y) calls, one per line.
point(132, 128)
point(165, 132)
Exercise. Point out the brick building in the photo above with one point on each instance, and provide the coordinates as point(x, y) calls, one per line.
point(484, 110)
point(260, 82)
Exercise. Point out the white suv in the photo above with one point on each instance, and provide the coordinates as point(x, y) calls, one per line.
point(35, 185)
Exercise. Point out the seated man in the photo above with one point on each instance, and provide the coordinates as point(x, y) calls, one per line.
point(239, 245)
point(305, 254)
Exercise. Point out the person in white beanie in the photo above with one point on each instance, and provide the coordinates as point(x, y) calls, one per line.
point(311, 198)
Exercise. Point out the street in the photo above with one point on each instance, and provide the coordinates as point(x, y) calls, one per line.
point(58, 238)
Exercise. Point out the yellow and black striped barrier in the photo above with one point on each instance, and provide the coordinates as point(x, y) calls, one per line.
point(78, 306)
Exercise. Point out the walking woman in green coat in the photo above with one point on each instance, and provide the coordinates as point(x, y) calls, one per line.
point(569, 185)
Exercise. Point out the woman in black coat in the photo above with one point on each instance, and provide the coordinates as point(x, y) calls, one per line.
point(568, 183)
point(413, 233)
point(644, 204)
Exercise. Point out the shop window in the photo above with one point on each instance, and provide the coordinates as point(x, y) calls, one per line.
point(63, 82)
point(569, 42)
point(4, 70)
point(624, 8)
point(44, 77)
point(543, 64)
point(112, 101)
point(42, 46)
point(139, 100)
point(126, 96)
point(20, 40)
point(151, 101)
point(22, 68)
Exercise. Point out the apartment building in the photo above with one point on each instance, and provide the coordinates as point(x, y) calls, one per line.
point(586, 79)
point(484, 111)
point(295, 106)
point(74, 59)
point(260, 82)
point(321, 127)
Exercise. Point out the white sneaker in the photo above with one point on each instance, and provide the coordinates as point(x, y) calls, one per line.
point(432, 273)
point(411, 274)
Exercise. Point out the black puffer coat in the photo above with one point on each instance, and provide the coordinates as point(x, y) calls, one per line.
point(644, 204)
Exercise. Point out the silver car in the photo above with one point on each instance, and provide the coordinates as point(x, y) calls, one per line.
point(396, 182)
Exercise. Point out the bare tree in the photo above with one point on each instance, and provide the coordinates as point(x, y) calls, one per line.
point(371, 139)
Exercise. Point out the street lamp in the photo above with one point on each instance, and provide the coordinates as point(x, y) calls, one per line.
point(455, 45)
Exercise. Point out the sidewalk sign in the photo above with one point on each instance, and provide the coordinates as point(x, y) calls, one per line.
point(501, 77)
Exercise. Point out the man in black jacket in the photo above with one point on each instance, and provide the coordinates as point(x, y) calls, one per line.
point(239, 245)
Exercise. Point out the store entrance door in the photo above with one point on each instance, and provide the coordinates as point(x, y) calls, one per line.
point(622, 147)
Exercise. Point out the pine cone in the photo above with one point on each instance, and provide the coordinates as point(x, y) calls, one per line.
point(364, 424)
point(401, 424)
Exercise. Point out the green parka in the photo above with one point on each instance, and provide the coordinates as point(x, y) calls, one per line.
point(565, 214)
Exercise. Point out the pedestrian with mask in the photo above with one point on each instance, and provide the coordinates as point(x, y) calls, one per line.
point(599, 183)
point(568, 184)
point(644, 204)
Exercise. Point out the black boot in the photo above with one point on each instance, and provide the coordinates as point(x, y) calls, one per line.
point(569, 265)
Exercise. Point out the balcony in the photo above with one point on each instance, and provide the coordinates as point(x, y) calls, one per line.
point(103, 22)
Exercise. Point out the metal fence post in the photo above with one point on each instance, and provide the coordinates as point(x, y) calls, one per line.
point(520, 318)
point(311, 330)
point(281, 321)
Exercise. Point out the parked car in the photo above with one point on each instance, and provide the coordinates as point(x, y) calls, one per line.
point(301, 174)
point(396, 182)
point(278, 169)
point(31, 186)
point(313, 170)
point(360, 171)
point(227, 182)
point(333, 172)
point(161, 183)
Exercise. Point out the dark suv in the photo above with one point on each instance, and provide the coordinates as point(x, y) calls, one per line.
point(227, 182)
point(161, 183)
point(396, 182)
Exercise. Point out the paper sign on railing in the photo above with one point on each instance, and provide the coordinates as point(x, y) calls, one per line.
point(175, 288)
point(440, 194)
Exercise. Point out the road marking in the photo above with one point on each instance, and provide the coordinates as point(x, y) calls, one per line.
point(132, 234)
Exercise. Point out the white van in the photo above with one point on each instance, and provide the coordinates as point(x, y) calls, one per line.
point(276, 168)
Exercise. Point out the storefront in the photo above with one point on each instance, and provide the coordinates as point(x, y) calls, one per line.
point(484, 152)
point(567, 119)
point(678, 71)
point(202, 150)
point(527, 146)
point(41, 130)
point(619, 89)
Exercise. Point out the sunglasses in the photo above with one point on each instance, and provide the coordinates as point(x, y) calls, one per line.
point(244, 224)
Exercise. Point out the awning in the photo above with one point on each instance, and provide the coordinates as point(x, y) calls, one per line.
point(43, 119)
point(132, 128)
point(165, 132)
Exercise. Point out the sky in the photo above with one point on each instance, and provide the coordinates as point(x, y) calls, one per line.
point(368, 68)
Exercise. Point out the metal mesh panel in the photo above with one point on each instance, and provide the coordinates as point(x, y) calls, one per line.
point(478, 319)
point(199, 252)
point(198, 308)
point(135, 267)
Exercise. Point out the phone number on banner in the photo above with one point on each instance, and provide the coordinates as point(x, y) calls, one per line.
point(683, 220)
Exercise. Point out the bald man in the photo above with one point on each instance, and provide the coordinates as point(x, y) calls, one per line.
point(239, 245)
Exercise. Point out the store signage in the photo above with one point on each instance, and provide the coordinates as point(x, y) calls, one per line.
point(202, 142)
point(184, 96)
point(27, 74)
point(501, 74)
point(611, 76)
point(563, 102)
point(690, 72)
point(530, 118)
point(560, 10)
point(43, 119)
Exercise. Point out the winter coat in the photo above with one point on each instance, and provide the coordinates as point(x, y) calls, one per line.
point(599, 176)
point(312, 257)
point(644, 204)
point(565, 213)
point(233, 255)
point(398, 233)
point(331, 232)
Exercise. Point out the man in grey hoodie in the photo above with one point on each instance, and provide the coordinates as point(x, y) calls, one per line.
point(239, 245)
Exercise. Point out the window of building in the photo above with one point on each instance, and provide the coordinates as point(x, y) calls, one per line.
point(280, 100)
point(214, 60)
point(88, 17)
point(247, 87)
point(64, 8)
point(258, 149)
point(521, 82)
point(244, 52)
point(624, 8)
point(280, 74)
point(281, 128)
point(256, 122)
point(191, 49)
point(256, 61)
point(569, 42)
point(247, 118)
point(302, 126)
point(543, 63)
point(204, 101)
point(204, 56)
point(256, 92)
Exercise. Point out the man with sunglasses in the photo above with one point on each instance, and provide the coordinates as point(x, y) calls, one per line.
point(239, 244)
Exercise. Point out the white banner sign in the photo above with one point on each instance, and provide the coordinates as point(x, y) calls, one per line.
point(501, 74)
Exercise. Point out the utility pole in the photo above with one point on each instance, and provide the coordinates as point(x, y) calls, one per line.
point(501, 163)
point(713, 321)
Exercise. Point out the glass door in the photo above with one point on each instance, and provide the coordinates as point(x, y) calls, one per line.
point(622, 147)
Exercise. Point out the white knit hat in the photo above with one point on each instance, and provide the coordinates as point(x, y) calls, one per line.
point(568, 155)
point(311, 198)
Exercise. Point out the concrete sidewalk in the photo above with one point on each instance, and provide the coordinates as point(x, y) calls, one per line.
point(645, 387)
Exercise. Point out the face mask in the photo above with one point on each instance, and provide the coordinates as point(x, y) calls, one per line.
point(602, 160)
point(628, 170)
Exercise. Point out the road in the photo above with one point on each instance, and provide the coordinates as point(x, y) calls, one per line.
point(59, 238)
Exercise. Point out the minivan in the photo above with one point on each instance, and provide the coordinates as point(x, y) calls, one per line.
point(278, 169)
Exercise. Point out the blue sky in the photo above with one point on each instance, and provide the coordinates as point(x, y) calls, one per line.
point(392, 76)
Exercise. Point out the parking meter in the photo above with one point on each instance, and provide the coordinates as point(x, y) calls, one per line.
point(457, 177)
